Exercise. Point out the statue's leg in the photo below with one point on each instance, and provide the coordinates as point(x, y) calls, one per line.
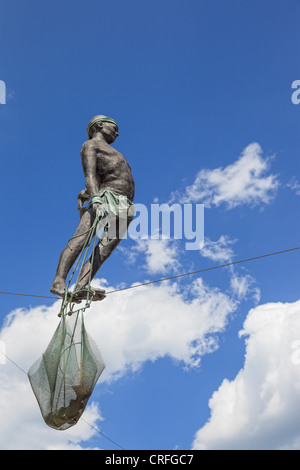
point(104, 248)
point(70, 253)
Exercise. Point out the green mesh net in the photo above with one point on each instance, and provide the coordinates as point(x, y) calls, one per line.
point(64, 377)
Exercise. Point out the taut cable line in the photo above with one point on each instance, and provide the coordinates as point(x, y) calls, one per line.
point(232, 263)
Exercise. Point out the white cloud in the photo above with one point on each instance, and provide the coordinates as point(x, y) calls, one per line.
point(243, 182)
point(219, 250)
point(161, 255)
point(243, 285)
point(155, 321)
point(259, 409)
point(130, 327)
point(294, 185)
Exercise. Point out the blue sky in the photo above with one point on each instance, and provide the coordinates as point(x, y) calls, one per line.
point(201, 91)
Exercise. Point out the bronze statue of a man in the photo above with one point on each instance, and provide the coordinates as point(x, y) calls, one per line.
point(108, 180)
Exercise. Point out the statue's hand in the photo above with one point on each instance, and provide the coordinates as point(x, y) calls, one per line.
point(96, 205)
point(82, 197)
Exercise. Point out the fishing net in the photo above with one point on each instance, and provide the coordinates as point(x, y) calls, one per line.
point(64, 377)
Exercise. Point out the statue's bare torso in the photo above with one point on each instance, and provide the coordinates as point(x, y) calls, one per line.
point(110, 169)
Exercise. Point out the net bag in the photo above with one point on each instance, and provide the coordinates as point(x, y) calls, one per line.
point(64, 377)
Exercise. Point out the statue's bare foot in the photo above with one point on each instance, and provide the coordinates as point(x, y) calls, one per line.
point(92, 293)
point(58, 288)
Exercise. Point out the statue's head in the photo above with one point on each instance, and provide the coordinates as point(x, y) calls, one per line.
point(105, 125)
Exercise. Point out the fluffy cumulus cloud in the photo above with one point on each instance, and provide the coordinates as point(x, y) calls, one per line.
point(130, 327)
point(244, 285)
point(246, 181)
point(160, 256)
point(294, 185)
point(219, 250)
point(259, 409)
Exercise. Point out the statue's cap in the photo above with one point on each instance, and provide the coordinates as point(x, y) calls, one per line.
point(100, 118)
